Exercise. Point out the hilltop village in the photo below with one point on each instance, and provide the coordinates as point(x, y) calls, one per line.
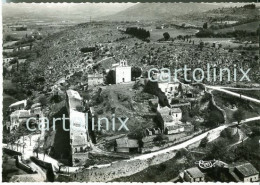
point(81, 104)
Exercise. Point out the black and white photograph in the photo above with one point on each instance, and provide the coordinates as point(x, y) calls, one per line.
point(130, 92)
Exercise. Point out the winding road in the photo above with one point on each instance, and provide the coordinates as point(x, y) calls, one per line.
point(221, 89)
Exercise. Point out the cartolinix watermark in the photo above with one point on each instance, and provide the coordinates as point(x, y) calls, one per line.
point(80, 122)
point(198, 74)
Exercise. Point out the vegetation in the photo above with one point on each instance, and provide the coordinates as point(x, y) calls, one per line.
point(138, 32)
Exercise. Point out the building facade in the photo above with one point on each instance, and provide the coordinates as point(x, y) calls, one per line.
point(122, 72)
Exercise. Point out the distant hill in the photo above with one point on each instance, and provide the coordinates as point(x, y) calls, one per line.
point(60, 12)
point(162, 11)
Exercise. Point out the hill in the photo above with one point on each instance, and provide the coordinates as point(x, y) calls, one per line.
point(162, 11)
point(60, 12)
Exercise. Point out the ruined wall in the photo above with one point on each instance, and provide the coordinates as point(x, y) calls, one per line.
point(119, 169)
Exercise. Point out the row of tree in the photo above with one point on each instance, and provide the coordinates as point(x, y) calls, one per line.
point(138, 32)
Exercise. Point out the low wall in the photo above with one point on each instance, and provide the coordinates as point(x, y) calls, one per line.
point(47, 166)
point(119, 169)
point(23, 166)
point(114, 170)
point(11, 152)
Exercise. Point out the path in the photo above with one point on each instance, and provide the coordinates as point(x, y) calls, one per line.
point(218, 88)
point(214, 134)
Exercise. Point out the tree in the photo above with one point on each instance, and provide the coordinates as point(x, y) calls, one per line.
point(110, 77)
point(136, 72)
point(218, 150)
point(238, 115)
point(166, 36)
point(204, 142)
point(205, 25)
point(214, 118)
point(43, 100)
point(15, 61)
point(29, 104)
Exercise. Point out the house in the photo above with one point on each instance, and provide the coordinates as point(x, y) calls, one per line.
point(168, 117)
point(168, 87)
point(174, 129)
point(193, 175)
point(16, 118)
point(176, 114)
point(20, 105)
point(36, 109)
point(122, 72)
point(80, 149)
point(126, 145)
point(244, 172)
point(95, 79)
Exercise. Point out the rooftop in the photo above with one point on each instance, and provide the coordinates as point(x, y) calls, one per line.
point(18, 103)
point(247, 169)
point(125, 142)
point(167, 118)
point(73, 94)
point(195, 172)
point(176, 110)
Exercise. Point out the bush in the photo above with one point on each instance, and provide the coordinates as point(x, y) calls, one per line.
point(204, 142)
point(88, 49)
point(56, 98)
point(43, 100)
point(204, 33)
point(80, 108)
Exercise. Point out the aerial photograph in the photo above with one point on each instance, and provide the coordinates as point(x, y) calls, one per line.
point(130, 92)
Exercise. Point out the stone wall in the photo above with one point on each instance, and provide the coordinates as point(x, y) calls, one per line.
point(23, 166)
point(119, 169)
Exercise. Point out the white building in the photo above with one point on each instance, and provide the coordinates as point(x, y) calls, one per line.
point(122, 72)
point(79, 138)
point(170, 119)
point(16, 118)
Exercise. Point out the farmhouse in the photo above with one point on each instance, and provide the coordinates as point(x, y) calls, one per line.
point(170, 120)
point(126, 145)
point(193, 175)
point(244, 172)
point(95, 79)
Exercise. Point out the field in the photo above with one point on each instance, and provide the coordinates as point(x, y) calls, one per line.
point(157, 34)
point(250, 27)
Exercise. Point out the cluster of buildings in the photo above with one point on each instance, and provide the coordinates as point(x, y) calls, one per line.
point(239, 172)
point(19, 114)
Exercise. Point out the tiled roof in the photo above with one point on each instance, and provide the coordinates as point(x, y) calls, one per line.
point(247, 169)
point(164, 110)
point(19, 103)
point(167, 118)
point(73, 94)
point(125, 142)
point(176, 110)
point(195, 172)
